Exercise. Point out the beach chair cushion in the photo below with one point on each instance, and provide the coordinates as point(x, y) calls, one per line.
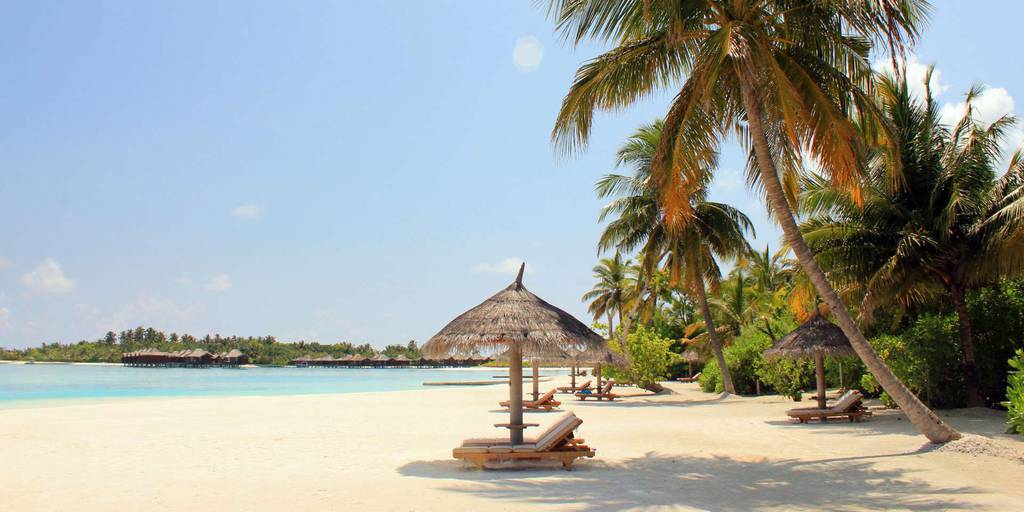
point(558, 431)
point(488, 441)
point(469, 449)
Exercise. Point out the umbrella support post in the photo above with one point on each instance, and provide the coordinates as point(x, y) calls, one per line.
point(515, 398)
point(572, 378)
point(597, 374)
point(819, 367)
point(536, 380)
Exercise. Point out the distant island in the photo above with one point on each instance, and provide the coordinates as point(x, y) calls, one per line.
point(263, 350)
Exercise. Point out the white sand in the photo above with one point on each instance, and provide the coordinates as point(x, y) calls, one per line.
point(391, 451)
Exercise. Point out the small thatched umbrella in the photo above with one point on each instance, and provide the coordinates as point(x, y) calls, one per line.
point(816, 338)
point(690, 356)
point(519, 322)
point(598, 358)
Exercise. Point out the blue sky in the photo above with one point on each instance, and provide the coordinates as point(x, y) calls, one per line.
point(321, 171)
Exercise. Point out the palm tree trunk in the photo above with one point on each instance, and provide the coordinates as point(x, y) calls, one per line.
point(967, 360)
point(611, 329)
point(920, 415)
point(716, 341)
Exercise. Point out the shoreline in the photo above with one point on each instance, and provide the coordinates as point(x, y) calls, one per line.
point(682, 451)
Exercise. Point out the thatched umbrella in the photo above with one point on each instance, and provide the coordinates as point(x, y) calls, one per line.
point(690, 356)
point(519, 322)
point(816, 338)
point(598, 358)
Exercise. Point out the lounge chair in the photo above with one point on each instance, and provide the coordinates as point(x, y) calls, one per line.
point(570, 389)
point(546, 401)
point(692, 378)
point(604, 393)
point(553, 443)
point(850, 405)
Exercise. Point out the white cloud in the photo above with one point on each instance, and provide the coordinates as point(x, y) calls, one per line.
point(916, 72)
point(48, 278)
point(219, 283)
point(729, 180)
point(247, 211)
point(990, 105)
point(528, 53)
point(147, 310)
point(5, 318)
point(505, 266)
point(5, 263)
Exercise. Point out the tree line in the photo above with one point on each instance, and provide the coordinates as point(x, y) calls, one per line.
point(266, 350)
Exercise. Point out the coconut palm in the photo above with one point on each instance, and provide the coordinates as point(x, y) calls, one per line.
point(787, 75)
point(686, 251)
point(613, 290)
point(949, 227)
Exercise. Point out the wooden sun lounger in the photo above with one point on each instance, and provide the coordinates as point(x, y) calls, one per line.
point(604, 393)
point(553, 443)
point(850, 406)
point(692, 378)
point(546, 401)
point(570, 389)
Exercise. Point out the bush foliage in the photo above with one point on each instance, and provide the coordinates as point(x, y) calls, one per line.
point(649, 356)
point(1015, 393)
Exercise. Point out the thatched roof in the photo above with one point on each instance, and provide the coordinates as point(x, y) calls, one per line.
point(814, 336)
point(691, 356)
point(514, 316)
point(401, 358)
point(234, 353)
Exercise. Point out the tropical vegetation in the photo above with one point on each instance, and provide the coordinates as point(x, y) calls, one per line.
point(791, 79)
point(260, 349)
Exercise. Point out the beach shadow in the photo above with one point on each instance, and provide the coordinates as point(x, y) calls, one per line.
point(711, 483)
point(656, 403)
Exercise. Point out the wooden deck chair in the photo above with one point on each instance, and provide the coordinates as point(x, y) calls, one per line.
point(692, 378)
point(570, 389)
point(546, 401)
point(850, 406)
point(553, 443)
point(604, 393)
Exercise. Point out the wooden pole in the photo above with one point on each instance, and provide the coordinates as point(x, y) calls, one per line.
point(597, 374)
point(572, 379)
point(536, 380)
point(819, 366)
point(515, 398)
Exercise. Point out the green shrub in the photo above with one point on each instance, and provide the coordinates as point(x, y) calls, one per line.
point(997, 316)
point(744, 357)
point(711, 378)
point(788, 377)
point(926, 357)
point(649, 356)
point(1015, 393)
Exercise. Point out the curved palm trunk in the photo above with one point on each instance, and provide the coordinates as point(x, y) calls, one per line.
point(716, 341)
point(611, 329)
point(920, 415)
point(968, 362)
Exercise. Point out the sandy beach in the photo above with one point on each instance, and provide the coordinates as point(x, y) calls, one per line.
point(391, 451)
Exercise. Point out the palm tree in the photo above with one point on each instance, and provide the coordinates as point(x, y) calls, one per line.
point(686, 251)
point(950, 226)
point(612, 291)
point(786, 75)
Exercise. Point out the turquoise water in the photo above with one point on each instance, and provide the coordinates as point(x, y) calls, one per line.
point(20, 383)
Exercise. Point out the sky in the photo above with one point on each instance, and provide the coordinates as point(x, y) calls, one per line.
point(324, 171)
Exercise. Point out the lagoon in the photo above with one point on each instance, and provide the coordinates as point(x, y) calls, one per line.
point(24, 383)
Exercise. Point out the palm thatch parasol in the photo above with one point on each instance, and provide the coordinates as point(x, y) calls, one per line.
point(816, 338)
point(524, 325)
point(690, 356)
